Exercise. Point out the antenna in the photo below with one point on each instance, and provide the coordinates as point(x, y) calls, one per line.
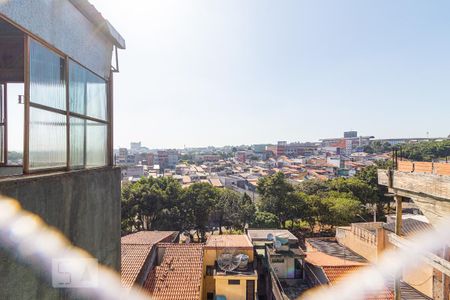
point(277, 245)
point(228, 260)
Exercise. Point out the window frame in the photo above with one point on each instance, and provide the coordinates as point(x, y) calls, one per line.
point(67, 113)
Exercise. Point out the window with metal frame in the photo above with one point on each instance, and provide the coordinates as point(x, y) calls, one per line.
point(47, 111)
point(67, 113)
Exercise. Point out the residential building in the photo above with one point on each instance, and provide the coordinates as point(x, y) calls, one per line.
point(222, 278)
point(427, 185)
point(135, 146)
point(280, 263)
point(56, 50)
point(122, 158)
point(241, 156)
point(178, 272)
point(139, 255)
point(350, 134)
point(328, 262)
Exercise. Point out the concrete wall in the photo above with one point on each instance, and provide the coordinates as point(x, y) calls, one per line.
point(366, 243)
point(84, 205)
point(234, 292)
point(63, 26)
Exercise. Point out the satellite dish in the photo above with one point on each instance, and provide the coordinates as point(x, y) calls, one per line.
point(270, 237)
point(242, 261)
point(277, 244)
point(283, 238)
point(228, 261)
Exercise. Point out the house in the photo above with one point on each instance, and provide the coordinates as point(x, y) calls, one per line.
point(139, 254)
point(328, 262)
point(427, 185)
point(280, 263)
point(60, 53)
point(178, 273)
point(229, 268)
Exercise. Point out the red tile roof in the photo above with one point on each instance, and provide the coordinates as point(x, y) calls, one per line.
point(179, 276)
point(147, 237)
point(133, 258)
point(338, 273)
point(135, 249)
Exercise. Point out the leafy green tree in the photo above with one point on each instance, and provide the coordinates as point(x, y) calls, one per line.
point(297, 207)
point(369, 175)
point(199, 199)
point(313, 186)
point(246, 212)
point(362, 190)
point(275, 195)
point(426, 151)
point(341, 208)
point(264, 219)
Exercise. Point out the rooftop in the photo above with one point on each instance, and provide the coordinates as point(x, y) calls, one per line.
point(229, 241)
point(93, 15)
point(410, 227)
point(179, 276)
point(146, 237)
point(338, 273)
point(326, 251)
point(135, 249)
point(261, 234)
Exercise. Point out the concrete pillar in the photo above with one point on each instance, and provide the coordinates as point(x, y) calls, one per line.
point(398, 231)
point(445, 279)
point(398, 215)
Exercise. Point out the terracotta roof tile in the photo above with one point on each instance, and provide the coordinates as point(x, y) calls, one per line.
point(133, 258)
point(338, 273)
point(135, 249)
point(179, 276)
point(146, 237)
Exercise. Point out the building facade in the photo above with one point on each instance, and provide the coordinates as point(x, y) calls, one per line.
point(60, 52)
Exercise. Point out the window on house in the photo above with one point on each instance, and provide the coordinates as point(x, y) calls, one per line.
point(48, 126)
point(277, 260)
point(234, 282)
point(82, 109)
point(88, 105)
point(210, 296)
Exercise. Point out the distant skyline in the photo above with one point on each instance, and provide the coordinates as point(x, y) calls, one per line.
point(211, 72)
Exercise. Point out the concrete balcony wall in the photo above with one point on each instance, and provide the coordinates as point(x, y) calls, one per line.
point(84, 205)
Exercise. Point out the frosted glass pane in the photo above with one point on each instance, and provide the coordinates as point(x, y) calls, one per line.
point(77, 88)
point(88, 92)
point(77, 134)
point(47, 72)
point(47, 139)
point(96, 97)
point(96, 140)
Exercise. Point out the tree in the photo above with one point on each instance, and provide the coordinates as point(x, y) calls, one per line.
point(225, 210)
point(275, 194)
point(264, 219)
point(369, 175)
point(342, 208)
point(246, 212)
point(362, 190)
point(297, 207)
point(199, 199)
point(313, 186)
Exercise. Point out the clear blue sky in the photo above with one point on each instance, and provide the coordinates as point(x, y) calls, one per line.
point(216, 72)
